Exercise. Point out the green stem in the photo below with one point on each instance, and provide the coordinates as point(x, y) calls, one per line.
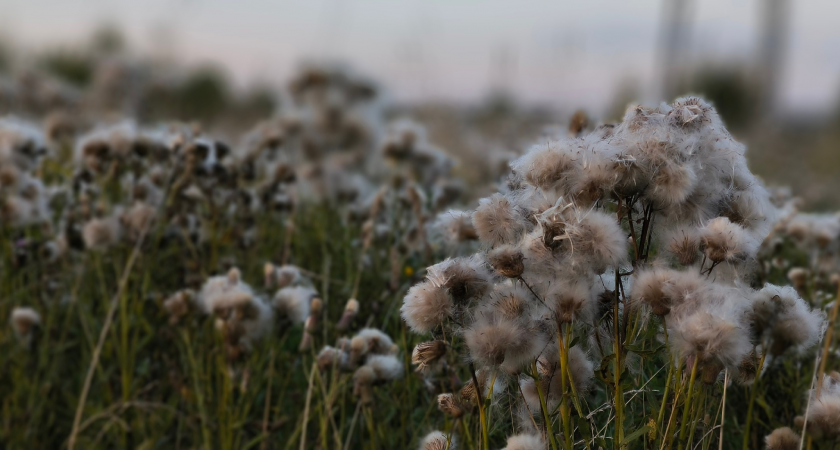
point(688, 400)
point(551, 439)
point(575, 399)
point(485, 439)
point(753, 390)
point(202, 414)
point(565, 412)
point(371, 431)
point(679, 383)
point(696, 419)
point(661, 414)
point(618, 398)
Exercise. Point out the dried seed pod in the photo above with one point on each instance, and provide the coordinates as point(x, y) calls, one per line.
point(427, 354)
point(351, 310)
point(449, 405)
point(507, 260)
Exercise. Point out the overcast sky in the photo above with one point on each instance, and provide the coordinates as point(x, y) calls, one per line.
point(573, 53)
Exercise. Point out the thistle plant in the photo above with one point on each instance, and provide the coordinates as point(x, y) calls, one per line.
point(632, 242)
point(240, 283)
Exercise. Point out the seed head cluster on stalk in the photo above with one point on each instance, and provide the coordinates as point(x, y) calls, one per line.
point(370, 355)
point(591, 239)
point(821, 419)
point(76, 191)
point(332, 141)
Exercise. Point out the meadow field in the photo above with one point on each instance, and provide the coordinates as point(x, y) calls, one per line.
point(188, 268)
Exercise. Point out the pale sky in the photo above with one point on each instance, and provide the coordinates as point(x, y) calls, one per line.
point(569, 53)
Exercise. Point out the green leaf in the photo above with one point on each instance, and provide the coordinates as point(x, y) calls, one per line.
point(637, 349)
point(585, 428)
point(636, 434)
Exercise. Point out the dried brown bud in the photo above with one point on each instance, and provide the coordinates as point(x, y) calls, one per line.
point(363, 380)
point(315, 306)
point(435, 441)
point(799, 277)
point(350, 312)
point(782, 439)
point(450, 406)
point(578, 123)
point(507, 260)
point(178, 305)
point(428, 353)
point(685, 247)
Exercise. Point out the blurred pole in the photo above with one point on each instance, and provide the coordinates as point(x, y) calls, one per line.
point(503, 70)
point(674, 46)
point(774, 33)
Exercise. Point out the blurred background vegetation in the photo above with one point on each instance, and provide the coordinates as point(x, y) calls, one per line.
point(749, 75)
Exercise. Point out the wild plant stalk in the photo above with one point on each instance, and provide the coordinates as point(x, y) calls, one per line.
point(71, 442)
point(828, 340)
point(267, 407)
point(671, 364)
point(751, 403)
point(814, 382)
point(575, 398)
point(328, 397)
point(723, 409)
point(306, 406)
point(688, 403)
point(543, 407)
point(485, 435)
point(695, 421)
point(352, 426)
point(199, 393)
point(618, 396)
point(370, 426)
point(669, 434)
point(565, 411)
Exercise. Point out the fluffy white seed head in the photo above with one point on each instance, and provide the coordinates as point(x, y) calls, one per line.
point(796, 324)
point(385, 367)
point(496, 221)
point(454, 227)
point(581, 368)
point(495, 341)
point(599, 241)
point(101, 233)
point(525, 442)
point(425, 307)
point(242, 315)
point(330, 357)
point(24, 320)
point(294, 302)
point(824, 415)
point(507, 260)
point(782, 439)
point(546, 165)
point(723, 240)
point(672, 183)
point(684, 244)
point(436, 440)
point(282, 276)
point(572, 302)
point(464, 277)
point(667, 289)
point(715, 341)
point(376, 341)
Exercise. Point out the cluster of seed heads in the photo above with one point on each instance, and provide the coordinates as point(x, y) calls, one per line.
point(93, 188)
point(658, 215)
